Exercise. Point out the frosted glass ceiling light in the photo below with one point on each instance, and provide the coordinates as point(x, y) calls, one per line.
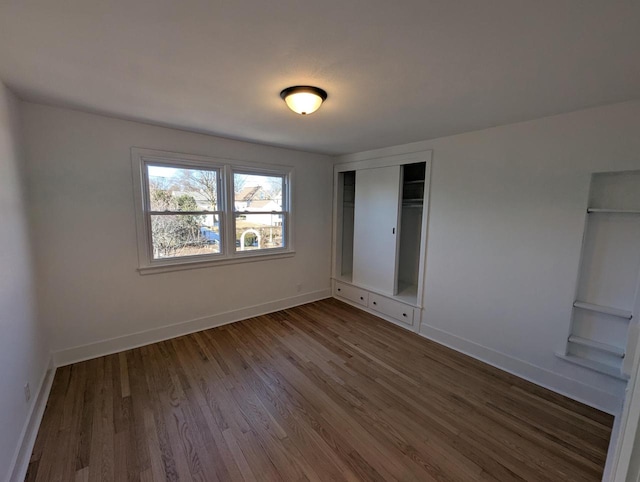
point(303, 99)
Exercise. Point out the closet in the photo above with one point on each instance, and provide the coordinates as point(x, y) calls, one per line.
point(380, 216)
point(604, 326)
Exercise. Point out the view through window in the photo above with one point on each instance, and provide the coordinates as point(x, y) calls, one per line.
point(184, 211)
point(260, 217)
point(193, 209)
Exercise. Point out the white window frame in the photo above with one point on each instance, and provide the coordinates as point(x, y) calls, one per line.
point(228, 254)
point(285, 205)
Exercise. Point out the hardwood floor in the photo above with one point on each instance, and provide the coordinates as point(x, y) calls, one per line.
point(319, 392)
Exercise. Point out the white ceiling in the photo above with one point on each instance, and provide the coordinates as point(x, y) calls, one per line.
point(396, 72)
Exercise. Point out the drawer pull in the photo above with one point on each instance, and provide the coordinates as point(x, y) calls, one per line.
point(362, 297)
point(375, 303)
point(339, 289)
point(404, 314)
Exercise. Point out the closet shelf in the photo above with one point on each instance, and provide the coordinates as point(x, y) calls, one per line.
point(419, 181)
point(607, 310)
point(594, 365)
point(413, 204)
point(612, 211)
point(596, 345)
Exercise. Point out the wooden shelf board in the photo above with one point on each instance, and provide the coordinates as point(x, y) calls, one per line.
point(596, 345)
point(594, 365)
point(612, 211)
point(607, 310)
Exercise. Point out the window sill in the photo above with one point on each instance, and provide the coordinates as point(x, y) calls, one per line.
point(209, 263)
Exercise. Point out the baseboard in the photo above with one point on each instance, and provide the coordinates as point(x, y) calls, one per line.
point(135, 340)
point(20, 464)
point(568, 387)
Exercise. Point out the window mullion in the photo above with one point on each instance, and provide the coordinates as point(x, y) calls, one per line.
point(230, 221)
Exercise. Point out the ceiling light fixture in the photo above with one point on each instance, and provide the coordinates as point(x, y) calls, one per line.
point(303, 99)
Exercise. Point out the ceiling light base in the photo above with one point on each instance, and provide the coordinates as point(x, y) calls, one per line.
point(303, 99)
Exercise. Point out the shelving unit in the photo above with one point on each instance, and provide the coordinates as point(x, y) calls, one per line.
point(413, 181)
point(603, 327)
point(607, 310)
point(379, 235)
point(346, 206)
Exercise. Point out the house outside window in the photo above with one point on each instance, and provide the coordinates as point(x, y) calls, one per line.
point(259, 214)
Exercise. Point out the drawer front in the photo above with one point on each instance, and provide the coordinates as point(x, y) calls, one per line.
point(351, 293)
point(394, 309)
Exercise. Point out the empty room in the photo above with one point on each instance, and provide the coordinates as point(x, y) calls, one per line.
point(295, 240)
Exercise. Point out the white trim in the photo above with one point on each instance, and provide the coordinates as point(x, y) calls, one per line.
point(379, 314)
point(377, 292)
point(20, 462)
point(385, 161)
point(568, 387)
point(135, 340)
point(596, 366)
point(424, 234)
point(386, 152)
point(225, 168)
point(253, 257)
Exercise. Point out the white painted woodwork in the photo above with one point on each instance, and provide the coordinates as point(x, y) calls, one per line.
point(593, 365)
point(612, 211)
point(392, 308)
point(386, 307)
point(602, 326)
point(607, 310)
point(351, 293)
point(376, 228)
point(614, 350)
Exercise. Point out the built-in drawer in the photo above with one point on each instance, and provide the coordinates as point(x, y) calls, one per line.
point(394, 309)
point(351, 293)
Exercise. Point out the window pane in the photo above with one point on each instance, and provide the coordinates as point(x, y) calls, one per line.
point(259, 231)
point(185, 235)
point(179, 189)
point(254, 192)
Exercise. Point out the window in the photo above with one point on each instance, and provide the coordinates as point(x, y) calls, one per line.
point(194, 211)
point(258, 210)
point(183, 211)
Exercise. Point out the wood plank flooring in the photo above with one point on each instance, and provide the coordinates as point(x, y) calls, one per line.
point(318, 392)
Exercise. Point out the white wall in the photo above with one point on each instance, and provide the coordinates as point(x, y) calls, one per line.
point(506, 221)
point(81, 197)
point(24, 355)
